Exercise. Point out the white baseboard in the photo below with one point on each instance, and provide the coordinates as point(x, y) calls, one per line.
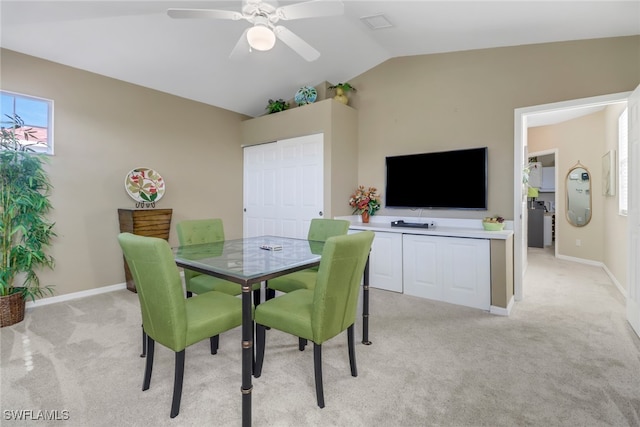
point(597, 264)
point(581, 260)
point(76, 295)
point(501, 311)
point(615, 281)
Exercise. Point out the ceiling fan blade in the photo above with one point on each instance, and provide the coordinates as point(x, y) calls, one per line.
point(241, 48)
point(300, 46)
point(204, 14)
point(310, 9)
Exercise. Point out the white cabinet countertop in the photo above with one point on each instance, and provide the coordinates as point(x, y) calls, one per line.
point(470, 228)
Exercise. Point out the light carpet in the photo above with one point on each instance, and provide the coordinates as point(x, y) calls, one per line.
point(566, 356)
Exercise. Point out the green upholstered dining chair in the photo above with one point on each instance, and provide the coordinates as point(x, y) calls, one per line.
point(319, 230)
point(321, 313)
point(168, 317)
point(201, 231)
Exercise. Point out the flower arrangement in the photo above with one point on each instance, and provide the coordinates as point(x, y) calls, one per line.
point(365, 200)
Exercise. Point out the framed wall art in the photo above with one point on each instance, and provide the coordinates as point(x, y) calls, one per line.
point(609, 173)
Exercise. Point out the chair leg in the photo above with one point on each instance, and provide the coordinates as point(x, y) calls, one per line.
point(144, 342)
point(268, 293)
point(302, 343)
point(352, 352)
point(317, 365)
point(149, 365)
point(256, 297)
point(215, 344)
point(177, 384)
point(260, 340)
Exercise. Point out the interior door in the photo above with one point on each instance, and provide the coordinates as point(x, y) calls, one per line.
point(283, 186)
point(633, 213)
point(260, 199)
point(301, 186)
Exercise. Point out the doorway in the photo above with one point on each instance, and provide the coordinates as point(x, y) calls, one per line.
point(545, 200)
point(524, 118)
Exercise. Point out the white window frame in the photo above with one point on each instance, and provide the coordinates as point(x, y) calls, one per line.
point(623, 162)
point(46, 147)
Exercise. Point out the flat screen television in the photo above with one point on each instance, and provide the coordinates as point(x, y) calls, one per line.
point(438, 180)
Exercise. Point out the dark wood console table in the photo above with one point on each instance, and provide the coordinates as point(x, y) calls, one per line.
point(144, 222)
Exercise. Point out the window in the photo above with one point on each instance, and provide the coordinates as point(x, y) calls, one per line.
point(623, 162)
point(37, 114)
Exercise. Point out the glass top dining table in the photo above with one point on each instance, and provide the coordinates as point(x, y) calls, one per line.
point(245, 262)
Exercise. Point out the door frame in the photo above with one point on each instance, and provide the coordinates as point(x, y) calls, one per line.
point(521, 118)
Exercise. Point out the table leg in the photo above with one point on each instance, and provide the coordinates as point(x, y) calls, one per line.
point(247, 355)
point(365, 305)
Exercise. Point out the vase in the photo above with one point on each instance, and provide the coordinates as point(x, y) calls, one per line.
point(365, 217)
point(341, 96)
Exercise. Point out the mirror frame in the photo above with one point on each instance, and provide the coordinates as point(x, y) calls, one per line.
point(566, 191)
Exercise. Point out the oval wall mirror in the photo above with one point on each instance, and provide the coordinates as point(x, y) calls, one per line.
point(578, 189)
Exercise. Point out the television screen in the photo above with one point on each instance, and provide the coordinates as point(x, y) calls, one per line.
point(446, 180)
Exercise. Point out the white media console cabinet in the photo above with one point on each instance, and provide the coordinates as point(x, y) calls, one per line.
point(453, 260)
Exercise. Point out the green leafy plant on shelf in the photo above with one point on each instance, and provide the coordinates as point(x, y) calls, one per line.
point(275, 106)
point(344, 87)
point(25, 232)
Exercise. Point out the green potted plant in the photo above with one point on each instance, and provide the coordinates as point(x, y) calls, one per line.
point(275, 106)
point(341, 92)
point(25, 232)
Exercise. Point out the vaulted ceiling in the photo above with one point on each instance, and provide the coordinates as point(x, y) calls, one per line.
point(137, 42)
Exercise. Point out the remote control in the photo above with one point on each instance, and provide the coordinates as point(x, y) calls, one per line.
point(271, 247)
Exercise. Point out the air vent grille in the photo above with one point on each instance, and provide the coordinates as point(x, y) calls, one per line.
point(376, 22)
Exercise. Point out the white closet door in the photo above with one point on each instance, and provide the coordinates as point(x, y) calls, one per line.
point(301, 187)
point(283, 186)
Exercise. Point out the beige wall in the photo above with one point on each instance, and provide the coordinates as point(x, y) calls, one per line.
point(587, 139)
point(467, 99)
point(105, 127)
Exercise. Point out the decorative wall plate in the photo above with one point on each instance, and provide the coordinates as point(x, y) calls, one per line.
point(144, 185)
point(306, 95)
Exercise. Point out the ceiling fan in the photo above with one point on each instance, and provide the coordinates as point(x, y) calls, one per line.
point(264, 16)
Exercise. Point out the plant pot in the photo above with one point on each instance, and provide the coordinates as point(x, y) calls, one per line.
point(493, 226)
point(365, 217)
point(341, 96)
point(11, 309)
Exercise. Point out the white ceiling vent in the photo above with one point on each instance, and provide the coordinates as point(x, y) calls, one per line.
point(376, 22)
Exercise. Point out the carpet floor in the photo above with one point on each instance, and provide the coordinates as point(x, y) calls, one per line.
point(566, 356)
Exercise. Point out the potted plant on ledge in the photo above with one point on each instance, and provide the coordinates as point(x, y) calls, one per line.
point(277, 105)
point(25, 232)
point(365, 202)
point(341, 92)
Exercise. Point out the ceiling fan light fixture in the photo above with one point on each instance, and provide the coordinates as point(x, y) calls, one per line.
point(260, 37)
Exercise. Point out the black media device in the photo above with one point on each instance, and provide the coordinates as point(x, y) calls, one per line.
point(401, 223)
point(438, 180)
